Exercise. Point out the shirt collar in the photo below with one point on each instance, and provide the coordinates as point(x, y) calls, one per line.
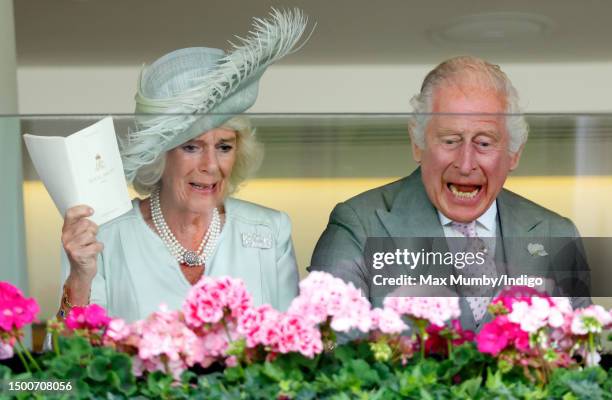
point(486, 220)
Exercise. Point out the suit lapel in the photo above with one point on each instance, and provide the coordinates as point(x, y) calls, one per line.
point(412, 215)
point(520, 226)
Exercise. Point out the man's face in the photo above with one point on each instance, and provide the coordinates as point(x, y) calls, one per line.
point(466, 158)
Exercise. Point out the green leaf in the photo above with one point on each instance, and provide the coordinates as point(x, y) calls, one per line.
point(363, 371)
point(234, 374)
point(128, 388)
point(494, 380)
point(61, 366)
point(424, 394)
point(121, 364)
point(273, 372)
point(345, 353)
point(156, 384)
point(75, 345)
point(5, 372)
point(470, 387)
point(504, 366)
point(82, 388)
point(98, 369)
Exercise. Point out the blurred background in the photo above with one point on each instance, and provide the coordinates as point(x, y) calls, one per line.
point(66, 57)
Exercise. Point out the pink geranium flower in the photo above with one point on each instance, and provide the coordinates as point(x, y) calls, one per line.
point(91, 317)
point(9, 292)
point(6, 351)
point(539, 312)
point(436, 310)
point(165, 343)
point(259, 326)
point(117, 330)
point(213, 298)
point(532, 324)
point(16, 311)
point(592, 319)
point(297, 334)
point(511, 295)
point(387, 321)
point(493, 338)
point(216, 341)
point(323, 296)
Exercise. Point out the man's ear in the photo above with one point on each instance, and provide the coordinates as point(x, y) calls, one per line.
point(516, 157)
point(417, 152)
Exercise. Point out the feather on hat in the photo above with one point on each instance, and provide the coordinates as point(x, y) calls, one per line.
point(193, 90)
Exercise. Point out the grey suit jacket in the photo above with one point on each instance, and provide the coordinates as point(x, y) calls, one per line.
point(402, 210)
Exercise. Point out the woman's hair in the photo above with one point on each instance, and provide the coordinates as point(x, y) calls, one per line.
point(474, 71)
point(249, 155)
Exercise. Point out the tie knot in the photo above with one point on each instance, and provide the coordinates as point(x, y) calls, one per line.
point(466, 229)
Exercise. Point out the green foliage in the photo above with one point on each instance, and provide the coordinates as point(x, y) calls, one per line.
point(350, 371)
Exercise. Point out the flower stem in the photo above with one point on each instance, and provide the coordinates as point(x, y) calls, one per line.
point(29, 356)
point(56, 346)
point(227, 332)
point(23, 361)
point(422, 333)
point(591, 348)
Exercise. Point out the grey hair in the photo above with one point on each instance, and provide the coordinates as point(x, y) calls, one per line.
point(473, 70)
point(249, 156)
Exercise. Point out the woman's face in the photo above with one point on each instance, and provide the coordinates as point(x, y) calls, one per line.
point(196, 174)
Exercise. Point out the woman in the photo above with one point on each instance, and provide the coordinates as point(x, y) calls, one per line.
point(189, 162)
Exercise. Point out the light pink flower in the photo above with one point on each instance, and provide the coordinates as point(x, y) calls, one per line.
point(530, 317)
point(297, 334)
point(6, 351)
point(510, 295)
point(163, 336)
point(213, 298)
point(323, 296)
point(231, 361)
point(216, 341)
point(117, 330)
point(436, 310)
point(537, 312)
point(387, 321)
point(591, 319)
point(259, 326)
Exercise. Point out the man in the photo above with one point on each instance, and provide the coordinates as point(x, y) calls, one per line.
point(466, 144)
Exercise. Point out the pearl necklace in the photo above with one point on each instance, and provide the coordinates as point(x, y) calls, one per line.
point(182, 255)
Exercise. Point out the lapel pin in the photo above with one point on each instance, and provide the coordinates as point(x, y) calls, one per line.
point(257, 240)
point(536, 249)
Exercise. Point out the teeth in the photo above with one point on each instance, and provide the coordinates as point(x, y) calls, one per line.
point(202, 186)
point(465, 195)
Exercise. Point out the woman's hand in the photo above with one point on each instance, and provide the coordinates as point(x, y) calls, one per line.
point(80, 243)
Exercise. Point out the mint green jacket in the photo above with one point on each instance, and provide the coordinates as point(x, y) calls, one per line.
point(136, 272)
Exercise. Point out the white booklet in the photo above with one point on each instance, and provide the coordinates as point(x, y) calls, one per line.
point(83, 168)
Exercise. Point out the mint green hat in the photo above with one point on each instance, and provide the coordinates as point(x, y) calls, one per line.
point(193, 90)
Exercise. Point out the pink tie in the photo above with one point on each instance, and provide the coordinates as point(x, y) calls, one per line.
point(479, 302)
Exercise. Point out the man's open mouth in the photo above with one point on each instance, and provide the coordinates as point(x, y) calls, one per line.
point(464, 191)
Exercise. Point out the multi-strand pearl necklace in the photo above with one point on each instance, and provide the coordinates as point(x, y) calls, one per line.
point(184, 256)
